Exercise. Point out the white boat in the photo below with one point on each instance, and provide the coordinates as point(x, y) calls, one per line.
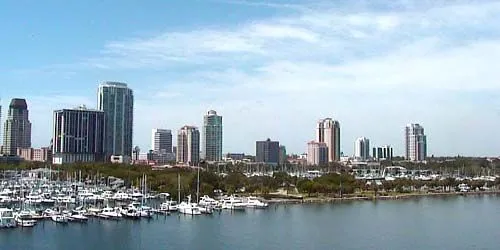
point(7, 218)
point(33, 199)
point(189, 208)
point(49, 212)
point(59, 218)
point(121, 196)
point(253, 202)
point(24, 219)
point(206, 209)
point(169, 206)
point(233, 203)
point(77, 216)
point(110, 213)
point(207, 201)
point(131, 213)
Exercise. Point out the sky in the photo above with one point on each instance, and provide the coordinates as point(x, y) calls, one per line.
point(270, 68)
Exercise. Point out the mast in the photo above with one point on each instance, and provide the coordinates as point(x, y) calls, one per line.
point(198, 186)
point(179, 188)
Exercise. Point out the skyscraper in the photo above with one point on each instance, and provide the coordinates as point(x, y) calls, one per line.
point(212, 136)
point(117, 102)
point(416, 143)
point(383, 153)
point(362, 148)
point(328, 131)
point(267, 151)
point(188, 145)
point(283, 156)
point(17, 129)
point(161, 140)
point(78, 135)
point(317, 153)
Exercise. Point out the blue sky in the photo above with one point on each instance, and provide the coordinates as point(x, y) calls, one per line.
point(271, 68)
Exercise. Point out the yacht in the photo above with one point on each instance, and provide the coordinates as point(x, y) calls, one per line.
point(110, 213)
point(233, 203)
point(24, 219)
point(120, 196)
point(189, 208)
point(144, 211)
point(207, 201)
point(77, 216)
point(33, 199)
point(131, 213)
point(253, 202)
point(7, 218)
point(59, 218)
point(169, 206)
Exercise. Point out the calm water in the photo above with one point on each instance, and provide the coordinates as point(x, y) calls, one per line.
point(429, 223)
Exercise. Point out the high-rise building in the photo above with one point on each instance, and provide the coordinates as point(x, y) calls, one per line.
point(267, 151)
point(17, 129)
point(283, 156)
point(328, 131)
point(212, 136)
point(317, 153)
point(362, 148)
point(188, 145)
point(383, 153)
point(78, 135)
point(116, 100)
point(161, 140)
point(416, 143)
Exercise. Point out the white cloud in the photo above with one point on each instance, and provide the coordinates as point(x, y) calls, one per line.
point(364, 64)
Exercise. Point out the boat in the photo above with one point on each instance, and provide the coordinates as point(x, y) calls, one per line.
point(233, 203)
point(253, 202)
point(77, 216)
point(7, 218)
point(207, 201)
point(189, 208)
point(59, 218)
point(131, 213)
point(110, 213)
point(169, 206)
point(24, 219)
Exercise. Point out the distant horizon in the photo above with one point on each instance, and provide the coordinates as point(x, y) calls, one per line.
point(270, 69)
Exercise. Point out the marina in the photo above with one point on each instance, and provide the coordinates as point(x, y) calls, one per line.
point(28, 199)
point(425, 223)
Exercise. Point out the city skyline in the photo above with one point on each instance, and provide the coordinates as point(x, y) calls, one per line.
point(299, 62)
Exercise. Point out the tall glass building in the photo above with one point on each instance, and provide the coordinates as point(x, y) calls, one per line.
point(117, 102)
point(17, 127)
point(416, 142)
point(78, 135)
point(212, 136)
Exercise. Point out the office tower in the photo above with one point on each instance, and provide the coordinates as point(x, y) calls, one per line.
point(267, 151)
point(362, 148)
point(416, 143)
point(383, 153)
point(282, 156)
point(188, 145)
point(328, 131)
point(212, 136)
point(317, 153)
point(116, 100)
point(161, 141)
point(78, 135)
point(17, 129)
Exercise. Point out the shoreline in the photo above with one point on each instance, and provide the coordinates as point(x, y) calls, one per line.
point(319, 200)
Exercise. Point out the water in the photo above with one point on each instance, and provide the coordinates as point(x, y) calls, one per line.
point(471, 222)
